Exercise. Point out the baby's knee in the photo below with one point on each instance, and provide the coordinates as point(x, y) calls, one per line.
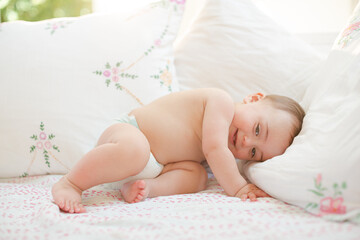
point(138, 150)
point(131, 144)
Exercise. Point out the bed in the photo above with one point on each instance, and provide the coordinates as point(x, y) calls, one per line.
point(27, 212)
point(64, 80)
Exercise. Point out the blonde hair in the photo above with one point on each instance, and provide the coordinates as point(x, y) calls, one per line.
point(291, 106)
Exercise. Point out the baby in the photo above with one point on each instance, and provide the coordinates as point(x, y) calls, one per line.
point(163, 144)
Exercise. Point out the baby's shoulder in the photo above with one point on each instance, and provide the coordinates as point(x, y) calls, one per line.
point(217, 96)
point(211, 94)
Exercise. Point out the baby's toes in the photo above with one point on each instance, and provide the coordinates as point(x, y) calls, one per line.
point(141, 193)
point(60, 203)
point(137, 199)
point(78, 208)
point(70, 206)
point(66, 206)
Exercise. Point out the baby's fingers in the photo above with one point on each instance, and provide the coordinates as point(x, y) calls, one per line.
point(249, 195)
point(244, 197)
point(261, 193)
point(252, 196)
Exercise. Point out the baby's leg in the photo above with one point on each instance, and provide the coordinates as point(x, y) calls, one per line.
point(176, 178)
point(122, 151)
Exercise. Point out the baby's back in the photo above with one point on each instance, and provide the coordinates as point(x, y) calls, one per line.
point(173, 125)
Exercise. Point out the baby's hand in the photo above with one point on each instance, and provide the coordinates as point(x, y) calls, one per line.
point(250, 191)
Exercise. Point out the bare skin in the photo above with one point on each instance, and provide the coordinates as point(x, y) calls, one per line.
point(135, 191)
point(67, 196)
point(195, 126)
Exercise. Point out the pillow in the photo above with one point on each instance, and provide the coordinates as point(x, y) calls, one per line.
point(63, 81)
point(320, 170)
point(234, 46)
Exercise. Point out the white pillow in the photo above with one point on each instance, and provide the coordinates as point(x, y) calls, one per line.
point(234, 46)
point(63, 81)
point(321, 170)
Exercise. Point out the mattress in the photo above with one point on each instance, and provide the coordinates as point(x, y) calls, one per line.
point(27, 212)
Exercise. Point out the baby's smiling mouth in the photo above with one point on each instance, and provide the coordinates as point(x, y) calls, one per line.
point(235, 137)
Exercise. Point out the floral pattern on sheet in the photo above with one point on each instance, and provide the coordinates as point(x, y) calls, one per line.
point(28, 212)
point(176, 5)
point(157, 42)
point(43, 144)
point(164, 76)
point(352, 32)
point(113, 75)
point(328, 203)
point(54, 26)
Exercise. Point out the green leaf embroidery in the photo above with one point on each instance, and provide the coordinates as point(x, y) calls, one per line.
point(56, 148)
point(25, 174)
point(308, 205)
point(317, 193)
point(32, 148)
point(118, 86)
point(34, 137)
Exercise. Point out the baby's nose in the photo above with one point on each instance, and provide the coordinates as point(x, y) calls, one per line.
point(246, 141)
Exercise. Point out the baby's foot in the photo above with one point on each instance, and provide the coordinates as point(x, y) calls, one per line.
point(134, 191)
point(67, 196)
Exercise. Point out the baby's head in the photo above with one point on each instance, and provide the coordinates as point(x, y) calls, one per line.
point(290, 106)
point(264, 126)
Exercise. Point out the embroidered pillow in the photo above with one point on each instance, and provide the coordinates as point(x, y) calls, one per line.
point(320, 171)
point(63, 81)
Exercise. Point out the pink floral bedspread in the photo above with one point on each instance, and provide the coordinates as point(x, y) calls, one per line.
point(27, 212)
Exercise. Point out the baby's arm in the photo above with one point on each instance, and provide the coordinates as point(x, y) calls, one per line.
point(218, 114)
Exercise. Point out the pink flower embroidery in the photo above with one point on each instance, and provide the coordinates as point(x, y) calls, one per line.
point(157, 42)
point(42, 136)
point(178, 1)
point(330, 205)
point(166, 78)
point(39, 145)
point(54, 26)
point(115, 78)
point(326, 204)
point(48, 145)
point(115, 70)
point(351, 28)
point(107, 73)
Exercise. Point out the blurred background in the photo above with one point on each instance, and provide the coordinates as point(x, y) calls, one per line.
point(315, 21)
point(36, 10)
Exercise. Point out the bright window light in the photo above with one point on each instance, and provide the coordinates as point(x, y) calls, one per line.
point(118, 5)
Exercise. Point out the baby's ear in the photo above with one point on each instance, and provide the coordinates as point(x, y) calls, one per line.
point(253, 97)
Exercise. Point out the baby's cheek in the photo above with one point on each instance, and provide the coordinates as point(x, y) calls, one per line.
point(240, 154)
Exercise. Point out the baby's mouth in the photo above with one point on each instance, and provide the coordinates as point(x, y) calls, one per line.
point(235, 137)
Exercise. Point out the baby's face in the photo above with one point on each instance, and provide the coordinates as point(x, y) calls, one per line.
point(259, 131)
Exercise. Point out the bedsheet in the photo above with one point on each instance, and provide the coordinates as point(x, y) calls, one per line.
point(27, 212)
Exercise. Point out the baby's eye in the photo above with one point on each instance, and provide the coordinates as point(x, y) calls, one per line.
point(253, 151)
point(257, 130)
